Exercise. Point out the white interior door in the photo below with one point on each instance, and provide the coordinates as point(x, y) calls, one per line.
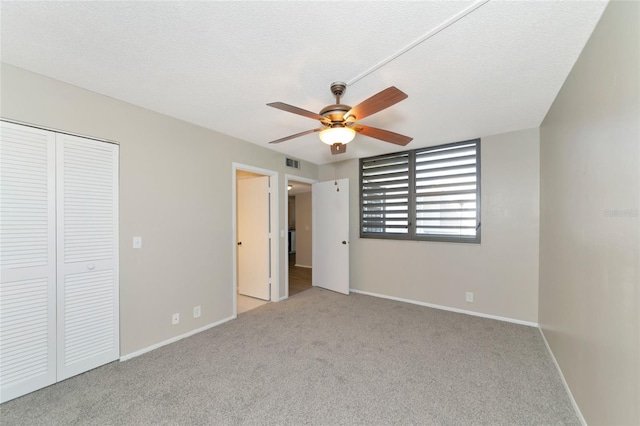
point(330, 206)
point(87, 288)
point(27, 260)
point(253, 240)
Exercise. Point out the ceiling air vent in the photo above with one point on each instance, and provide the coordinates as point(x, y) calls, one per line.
point(290, 162)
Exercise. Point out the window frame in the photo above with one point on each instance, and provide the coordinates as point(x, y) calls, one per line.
point(412, 235)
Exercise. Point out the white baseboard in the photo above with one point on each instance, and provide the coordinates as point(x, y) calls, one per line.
point(564, 382)
point(174, 339)
point(447, 308)
point(302, 266)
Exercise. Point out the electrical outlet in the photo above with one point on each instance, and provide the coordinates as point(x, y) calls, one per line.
point(137, 242)
point(175, 319)
point(469, 297)
point(196, 312)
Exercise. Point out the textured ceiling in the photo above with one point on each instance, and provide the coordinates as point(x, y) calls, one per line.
point(217, 64)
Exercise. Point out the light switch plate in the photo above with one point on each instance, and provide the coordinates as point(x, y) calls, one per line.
point(137, 242)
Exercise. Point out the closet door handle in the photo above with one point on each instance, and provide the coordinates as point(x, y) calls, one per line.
point(91, 266)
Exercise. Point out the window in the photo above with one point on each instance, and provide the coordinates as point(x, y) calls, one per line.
point(426, 194)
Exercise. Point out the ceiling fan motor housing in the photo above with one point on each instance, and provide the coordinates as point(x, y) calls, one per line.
point(335, 113)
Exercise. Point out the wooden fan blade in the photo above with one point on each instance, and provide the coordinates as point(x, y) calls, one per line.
point(299, 111)
point(383, 135)
point(378, 102)
point(296, 135)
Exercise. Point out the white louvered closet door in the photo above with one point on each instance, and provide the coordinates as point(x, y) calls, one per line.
point(87, 216)
point(27, 260)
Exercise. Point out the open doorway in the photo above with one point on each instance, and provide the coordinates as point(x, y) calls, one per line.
point(299, 238)
point(255, 238)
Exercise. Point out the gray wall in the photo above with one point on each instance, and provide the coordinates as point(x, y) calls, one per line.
point(303, 229)
point(502, 272)
point(590, 224)
point(291, 205)
point(175, 192)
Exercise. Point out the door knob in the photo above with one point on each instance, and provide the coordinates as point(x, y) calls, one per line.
point(91, 266)
point(344, 242)
point(239, 243)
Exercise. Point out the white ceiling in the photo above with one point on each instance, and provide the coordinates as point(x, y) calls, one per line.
point(217, 64)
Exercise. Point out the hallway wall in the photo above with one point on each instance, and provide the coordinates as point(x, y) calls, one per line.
point(303, 230)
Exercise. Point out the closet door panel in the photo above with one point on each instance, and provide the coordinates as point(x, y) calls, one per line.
point(27, 260)
point(87, 194)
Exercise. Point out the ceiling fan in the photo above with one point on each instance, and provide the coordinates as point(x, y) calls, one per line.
point(338, 121)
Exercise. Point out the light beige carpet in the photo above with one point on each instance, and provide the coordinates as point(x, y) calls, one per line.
point(321, 358)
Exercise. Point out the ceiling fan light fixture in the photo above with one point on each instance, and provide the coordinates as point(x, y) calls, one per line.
point(333, 135)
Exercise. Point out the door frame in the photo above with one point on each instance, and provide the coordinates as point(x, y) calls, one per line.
point(275, 231)
point(287, 178)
